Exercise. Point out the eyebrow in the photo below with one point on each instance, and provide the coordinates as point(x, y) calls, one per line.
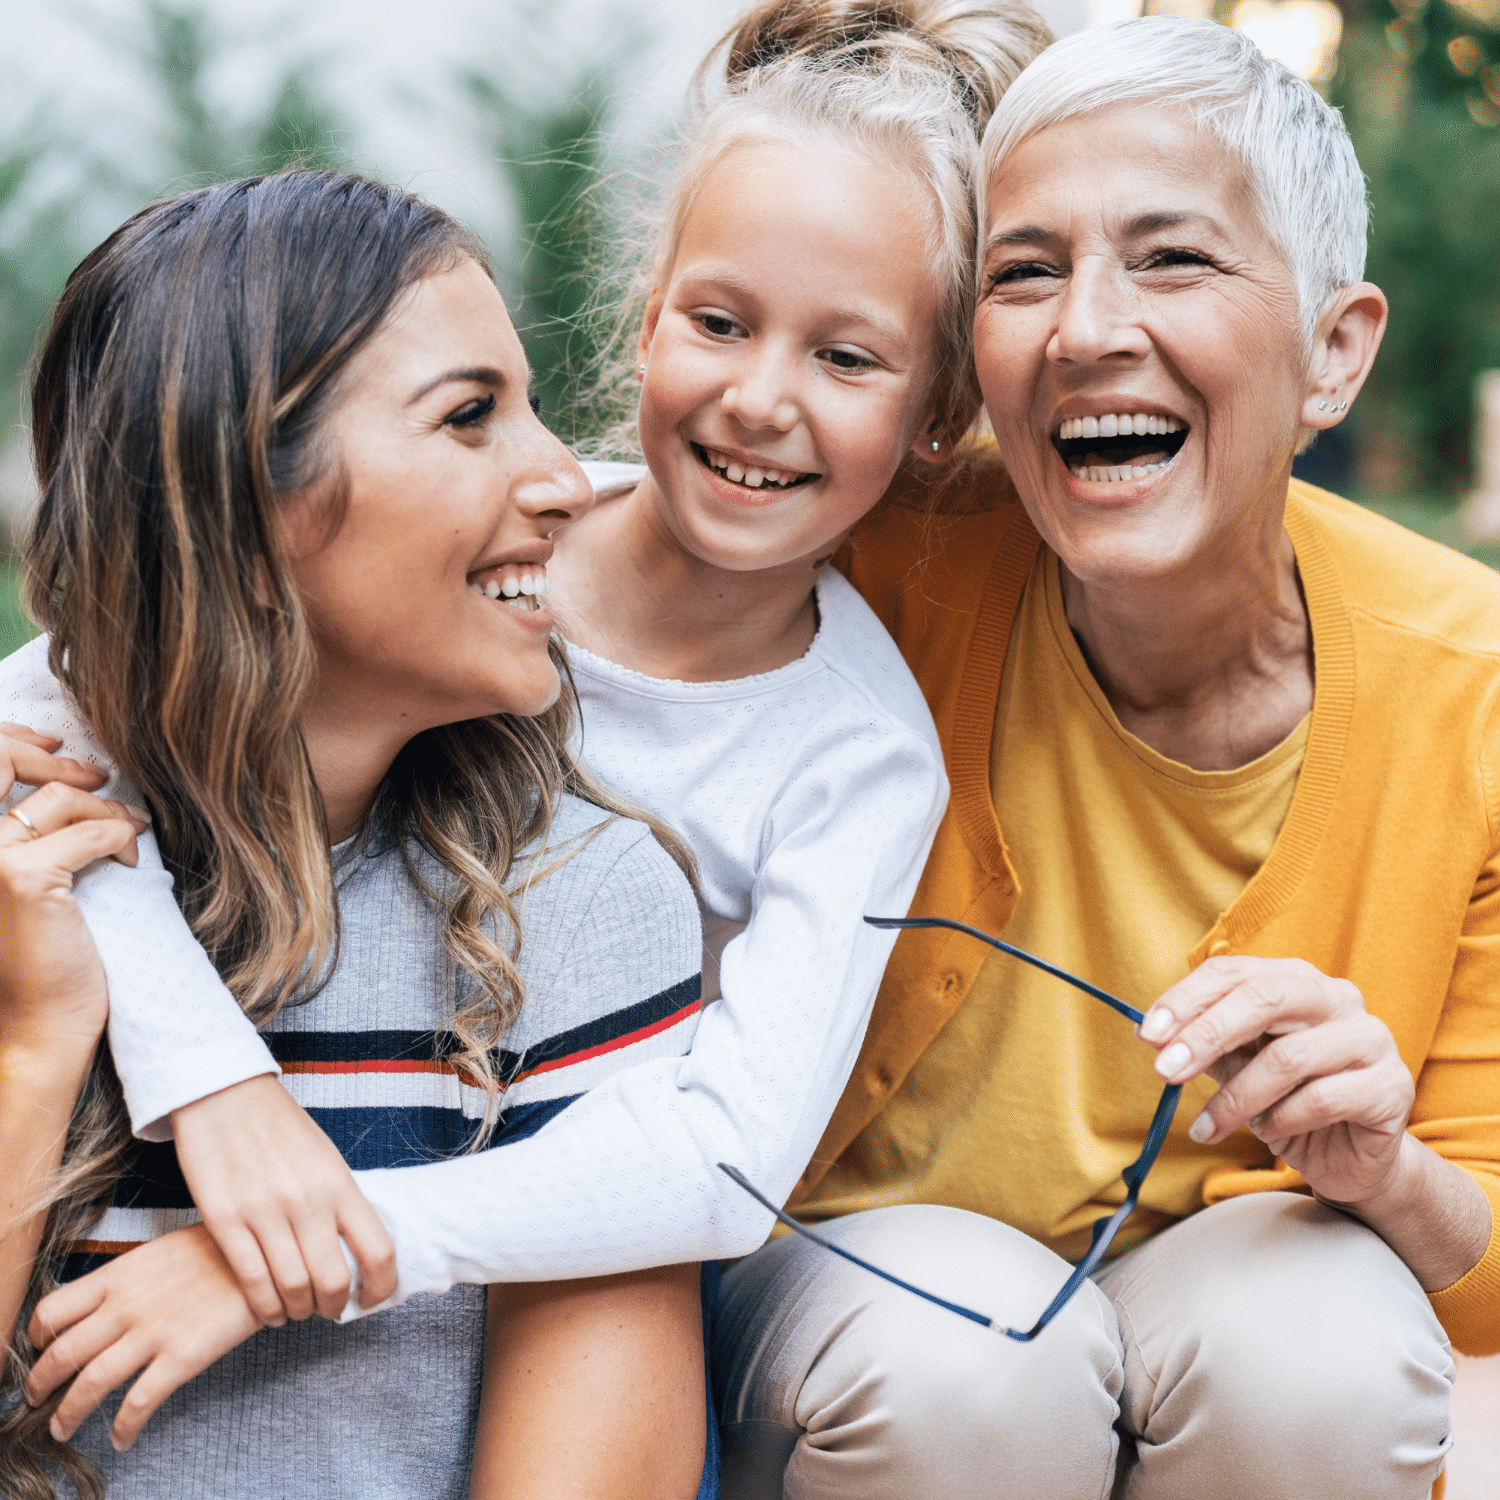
point(844, 312)
point(1142, 224)
point(479, 374)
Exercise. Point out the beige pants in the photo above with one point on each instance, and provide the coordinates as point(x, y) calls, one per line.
point(1265, 1348)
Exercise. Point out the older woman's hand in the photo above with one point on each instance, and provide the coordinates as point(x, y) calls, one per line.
point(1300, 1062)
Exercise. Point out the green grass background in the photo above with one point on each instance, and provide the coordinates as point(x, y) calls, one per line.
point(1434, 516)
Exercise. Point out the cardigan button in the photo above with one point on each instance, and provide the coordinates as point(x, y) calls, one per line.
point(1218, 948)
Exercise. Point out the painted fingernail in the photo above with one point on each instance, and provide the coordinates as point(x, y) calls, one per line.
point(1156, 1025)
point(1201, 1128)
point(1176, 1056)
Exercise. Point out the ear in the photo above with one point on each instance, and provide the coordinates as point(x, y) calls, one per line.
point(933, 443)
point(1348, 335)
point(648, 329)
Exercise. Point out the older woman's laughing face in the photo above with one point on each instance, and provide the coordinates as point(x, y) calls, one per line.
point(1139, 344)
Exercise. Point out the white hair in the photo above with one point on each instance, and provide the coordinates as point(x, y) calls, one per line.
point(1299, 164)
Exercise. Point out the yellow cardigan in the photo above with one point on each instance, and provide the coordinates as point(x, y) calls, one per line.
point(1386, 871)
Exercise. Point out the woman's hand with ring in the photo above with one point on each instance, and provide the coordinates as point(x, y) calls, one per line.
point(1300, 1062)
point(52, 987)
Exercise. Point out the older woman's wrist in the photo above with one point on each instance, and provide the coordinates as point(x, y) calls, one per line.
point(1430, 1212)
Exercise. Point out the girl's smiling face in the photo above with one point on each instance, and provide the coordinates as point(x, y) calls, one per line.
point(788, 354)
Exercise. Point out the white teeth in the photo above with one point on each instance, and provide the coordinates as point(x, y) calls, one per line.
point(1116, 425)
point(754, 478)
point(733, 473)
point(514, 588)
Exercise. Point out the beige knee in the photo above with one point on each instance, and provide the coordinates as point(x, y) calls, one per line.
point(1275, 1347)
point(835, 1383)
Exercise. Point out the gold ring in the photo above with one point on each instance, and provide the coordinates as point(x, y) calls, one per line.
point(25, 822)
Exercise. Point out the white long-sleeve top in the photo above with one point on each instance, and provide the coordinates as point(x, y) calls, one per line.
point(810, 796)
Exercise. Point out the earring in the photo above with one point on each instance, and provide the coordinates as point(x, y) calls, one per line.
point(1322, 406)
point(936, 445)
point(640, 370)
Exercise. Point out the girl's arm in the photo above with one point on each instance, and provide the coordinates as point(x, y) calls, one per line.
point(628, 1176)
point(272, 1189)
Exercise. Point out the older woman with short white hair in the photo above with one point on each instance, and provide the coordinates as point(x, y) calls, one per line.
point(1225, 745)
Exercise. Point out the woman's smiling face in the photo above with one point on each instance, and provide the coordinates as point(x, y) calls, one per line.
point(451, 490)
point(1127, 276)
point(788, 354)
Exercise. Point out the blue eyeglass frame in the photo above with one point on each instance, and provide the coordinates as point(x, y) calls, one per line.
point(1105, 1229)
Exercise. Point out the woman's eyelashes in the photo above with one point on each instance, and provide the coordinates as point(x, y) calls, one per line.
point(1021, 271)
point(1173, 256)
point(472, 413)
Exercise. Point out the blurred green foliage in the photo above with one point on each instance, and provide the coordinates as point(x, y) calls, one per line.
point(15, 628)
point(174, 46)
point(553, 164)
point(297, 127)
point(1419, 84)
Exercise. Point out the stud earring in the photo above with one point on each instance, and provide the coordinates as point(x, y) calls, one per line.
point(936, 445)
point(1322, 406)
point(640, 369)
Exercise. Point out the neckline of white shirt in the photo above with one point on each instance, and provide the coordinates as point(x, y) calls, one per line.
point(591, 661)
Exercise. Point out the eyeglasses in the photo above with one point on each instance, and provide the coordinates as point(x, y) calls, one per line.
point(1105, 1229)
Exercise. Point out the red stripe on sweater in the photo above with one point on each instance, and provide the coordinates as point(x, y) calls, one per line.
point(620, 1041)
point(438, 1065)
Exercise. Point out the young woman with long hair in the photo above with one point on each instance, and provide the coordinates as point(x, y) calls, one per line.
point(285, 445)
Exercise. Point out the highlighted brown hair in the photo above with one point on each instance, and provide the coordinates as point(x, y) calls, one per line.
point(181, 394)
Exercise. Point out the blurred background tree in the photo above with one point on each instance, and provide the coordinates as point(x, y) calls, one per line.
point(1419, 84)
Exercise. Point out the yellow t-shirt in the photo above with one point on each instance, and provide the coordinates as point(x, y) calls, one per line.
point(1034, 1096)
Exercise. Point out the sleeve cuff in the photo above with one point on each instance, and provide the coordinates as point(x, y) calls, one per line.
point(1469, 1310)
point(153, 1093)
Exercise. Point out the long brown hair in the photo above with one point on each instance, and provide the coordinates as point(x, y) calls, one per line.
point(181, 394)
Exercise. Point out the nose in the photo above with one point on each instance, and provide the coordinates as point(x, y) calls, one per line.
point(1096, 317)
point(762, 389)
point(548, 486)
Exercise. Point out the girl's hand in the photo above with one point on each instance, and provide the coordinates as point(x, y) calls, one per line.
point(31, 758)
point(276, 1196)
point(1299, 1061)
point(168, 1308)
